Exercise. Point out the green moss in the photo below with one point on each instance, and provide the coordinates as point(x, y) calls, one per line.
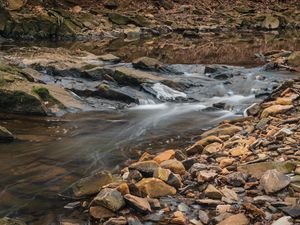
point(8, 69)
point(45, 95)
point(2, 82)
point(89, 67)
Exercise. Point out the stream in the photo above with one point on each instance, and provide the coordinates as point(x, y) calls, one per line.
point(51, 153)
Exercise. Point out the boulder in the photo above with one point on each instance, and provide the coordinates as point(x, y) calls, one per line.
point(174, 165)
point(110, 199)
point(147, 168)
point(92, 184)
point(140, 204)
point(132, 77)
point(273, 181)
point(238, 219)
point(5, 135)
point(147, 63)
point(155, 188)
point(166, 155)
point(275, 109)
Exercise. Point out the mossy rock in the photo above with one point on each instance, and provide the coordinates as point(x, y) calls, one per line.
point(20, 102)
point(45, 95)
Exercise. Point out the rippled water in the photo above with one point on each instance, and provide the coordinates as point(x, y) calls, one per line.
point(52, 153)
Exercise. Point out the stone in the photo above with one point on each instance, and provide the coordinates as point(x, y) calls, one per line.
point(212, 148)
point(188, 163)
point(92, 184)
point(140, 204)
point(263, 199)
point(15, 5)
point(146, 168)
point(236, 179)
point(275, 109)
point(166, 155)
point(209, 140)
point(10, 221)
point(110, 199)
point(285, 220)
point(238, 219)
point(212, 192)
point(205, 176)
point(123, 189)
point(208, 202)
point(134, 176)
point(194, 149)
point(162, 173)
point(273, 181)
point(147, 63)
point(155, 188)
point(132, 34)
point(174, 180)
point(178, 218)
point(224, 129)
point(294, 59)
point(258, 169)
point(270, 22)
point(99, 212)
point(226, 162)
point(223, 209)
point(182, 207)
point(111, 4)
point(293, 211)
point(203, 216)
point(109, 58)
point(5, 135)
point(133, 220)
point(116, 221)
point(174, 165)
point(229, 194)
point(253, 109)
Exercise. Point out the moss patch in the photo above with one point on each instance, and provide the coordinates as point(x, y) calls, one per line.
point(45, 95)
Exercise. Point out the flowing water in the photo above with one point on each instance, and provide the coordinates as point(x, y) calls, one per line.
point(52, 153)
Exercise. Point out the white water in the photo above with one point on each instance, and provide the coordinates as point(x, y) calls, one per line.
point(164, 92)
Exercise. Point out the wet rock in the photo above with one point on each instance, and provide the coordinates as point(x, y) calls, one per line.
point(194, 149)
point(147, 63)
point(111, 4)
point(166, 155)
point(285, 220)
point(174, 180)
point(147, 168)
point(294, 59)
point(5, 135)
point(162, 173)
point(140, 204)
point(116, 221)
point(9, 221)
point(134, 175)
point(271, 22)
point(99, 212)
point(238, 219)
point(275, 109)
point(109, 58)
point(174, 165)
point(91, 185)
point(273, 181)
point(155, 188)
point(252, 110)
point(127, 76)
point(133, 220)
point(212, 192)
point(225, 129)
point(258, 169)
point(123, 188)
point(110, 199)
point(212, 148)
point(236, 179)
point(293, 211)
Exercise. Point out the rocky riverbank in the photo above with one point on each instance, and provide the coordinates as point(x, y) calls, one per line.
point(245, 171)
point(135, 20)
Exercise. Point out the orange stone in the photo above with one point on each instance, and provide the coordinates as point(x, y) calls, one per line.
point(166, 155)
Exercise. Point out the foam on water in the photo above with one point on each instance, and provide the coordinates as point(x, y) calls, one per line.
point(167, 93)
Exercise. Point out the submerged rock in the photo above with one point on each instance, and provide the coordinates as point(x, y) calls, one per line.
point(5, 135)
point(91, 185)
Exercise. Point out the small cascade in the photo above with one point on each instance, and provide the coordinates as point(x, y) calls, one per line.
point(164, 92)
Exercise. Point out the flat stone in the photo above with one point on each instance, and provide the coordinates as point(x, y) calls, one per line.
point(110, 199)
point(285, 220)
point(99, 212)
point(133, 220)
point(263, 199)
point(140, 204)
point(212, 192)
point(147, 168)
point(174, 165)
point(208, 202)
point(212, 148)
point(293, 211)
point(166, 155)
point(258, 169)
point(273, 181)
point(224, 129)
point(226, 162)
point(109, 58)
point(238, 219)
point(178, 218)
point(9, 221)
point(236, 179)
point(230, 194)
point(116, 221)
point(275, 109)
point(147, 63)
point(204, 176)
point(203, 216)
point(155, 188)
point(92, 184)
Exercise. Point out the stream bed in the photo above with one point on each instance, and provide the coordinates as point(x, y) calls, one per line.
point(53, 152)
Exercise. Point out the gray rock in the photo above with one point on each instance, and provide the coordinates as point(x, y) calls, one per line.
point(203, 216)
point(110, 199)
point(146, 168)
